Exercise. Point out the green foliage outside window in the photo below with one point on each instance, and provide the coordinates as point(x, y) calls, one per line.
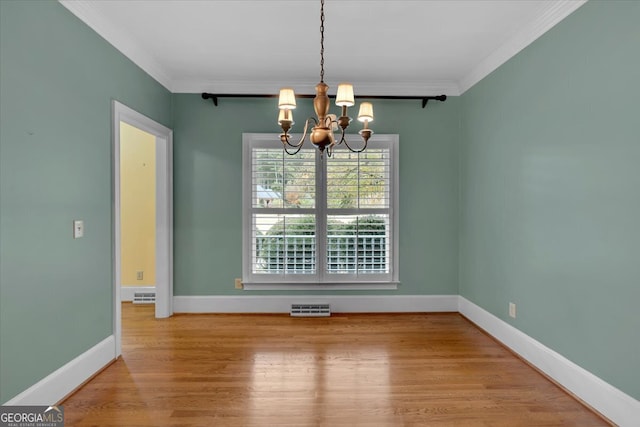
point(356, 245)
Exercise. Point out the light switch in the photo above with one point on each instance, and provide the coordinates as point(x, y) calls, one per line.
point(78, 228)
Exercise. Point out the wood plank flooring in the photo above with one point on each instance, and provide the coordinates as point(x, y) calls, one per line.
point(345, 370)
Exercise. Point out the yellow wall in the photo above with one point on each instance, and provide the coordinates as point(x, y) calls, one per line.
point(138, 206)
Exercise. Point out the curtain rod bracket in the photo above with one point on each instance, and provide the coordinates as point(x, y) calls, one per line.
point(210, 96)
point(426, 99)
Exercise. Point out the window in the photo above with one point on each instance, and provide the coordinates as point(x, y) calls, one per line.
point(317, 221)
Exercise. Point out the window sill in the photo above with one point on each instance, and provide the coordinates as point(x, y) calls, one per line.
point(363, 286)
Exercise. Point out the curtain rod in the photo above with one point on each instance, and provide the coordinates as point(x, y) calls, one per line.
point(214, 97)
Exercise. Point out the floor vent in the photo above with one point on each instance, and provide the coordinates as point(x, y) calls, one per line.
point(144, 298)
point(310, 310)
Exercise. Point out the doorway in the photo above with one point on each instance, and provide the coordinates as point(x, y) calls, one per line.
point(159, 265)
point(137, 214)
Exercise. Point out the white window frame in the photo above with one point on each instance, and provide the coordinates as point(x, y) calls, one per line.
point(320, 280)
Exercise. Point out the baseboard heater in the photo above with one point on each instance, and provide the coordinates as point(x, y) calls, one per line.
point(310, 310)
point(144, 298)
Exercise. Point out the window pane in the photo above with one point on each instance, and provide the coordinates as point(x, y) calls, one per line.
point(284, 244)
point(358, 244)
point(283, 182)
point(358, 180)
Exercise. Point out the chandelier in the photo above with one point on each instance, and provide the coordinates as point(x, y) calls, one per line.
point(325, 124)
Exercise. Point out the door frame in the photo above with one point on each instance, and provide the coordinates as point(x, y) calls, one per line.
point(164, 213)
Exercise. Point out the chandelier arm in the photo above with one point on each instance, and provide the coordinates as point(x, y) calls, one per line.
point(329, 124)
point(342, 139)
point(351, 149)
point(285, 141)
point(285, 137)
point(293, 152)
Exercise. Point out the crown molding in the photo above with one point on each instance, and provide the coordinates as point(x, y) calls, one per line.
point(87, 13)
point(426, 88)
point(550, 16)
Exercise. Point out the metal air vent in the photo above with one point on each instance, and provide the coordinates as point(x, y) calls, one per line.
point(310, 310)
point(144, 298)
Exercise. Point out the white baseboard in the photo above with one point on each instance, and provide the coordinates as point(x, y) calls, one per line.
point(63, 381)
point(614, 404)
point(126, 292)
point(339, 303)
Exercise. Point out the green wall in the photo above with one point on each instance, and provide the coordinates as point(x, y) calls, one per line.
point(208, 190)
point(550, 191)
point(57, 80)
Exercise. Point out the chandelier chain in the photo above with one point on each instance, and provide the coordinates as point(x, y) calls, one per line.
point(322, 41)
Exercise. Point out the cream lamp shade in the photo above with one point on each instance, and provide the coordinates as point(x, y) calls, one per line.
point(344, 98)
point(287, 99)
point(285, 115)
point(366, 112)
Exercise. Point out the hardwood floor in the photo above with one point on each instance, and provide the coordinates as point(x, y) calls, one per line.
point(345, 370)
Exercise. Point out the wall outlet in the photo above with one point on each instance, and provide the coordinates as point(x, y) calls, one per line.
point(139, 275)
point(512, 310)
point(238, 283)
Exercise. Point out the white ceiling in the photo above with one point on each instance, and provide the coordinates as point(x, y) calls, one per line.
point(399, 47)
